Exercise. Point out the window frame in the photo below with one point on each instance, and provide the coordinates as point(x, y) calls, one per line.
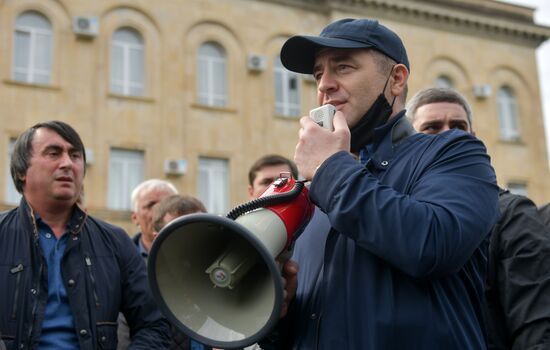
point(126, 83)
point(209, 96)
point(284, 107)
point(215, 192)
point(508, 114)
point(123, 201)
point(30, 71)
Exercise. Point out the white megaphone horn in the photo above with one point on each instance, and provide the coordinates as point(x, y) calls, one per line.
point(218, 279)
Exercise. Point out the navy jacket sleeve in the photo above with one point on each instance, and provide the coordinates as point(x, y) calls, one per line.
point(148, 328)
point(518, 285)
point(428, 224)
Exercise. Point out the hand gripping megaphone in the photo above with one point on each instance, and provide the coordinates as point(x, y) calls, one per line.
point(218, 279)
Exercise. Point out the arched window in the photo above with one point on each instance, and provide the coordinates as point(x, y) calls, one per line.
point(212, 75)
point(444, 81)
point(32, 53)
point(507, 113)
point(127, 62)
point(287, 90)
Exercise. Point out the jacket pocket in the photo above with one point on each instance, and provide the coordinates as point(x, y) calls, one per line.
point(17, 271)
point(106, 335)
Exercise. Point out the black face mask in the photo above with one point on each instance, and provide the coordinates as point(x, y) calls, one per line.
point(378, 114)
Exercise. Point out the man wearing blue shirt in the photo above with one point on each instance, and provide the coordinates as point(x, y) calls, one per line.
point(65, 275)
point(396, 256)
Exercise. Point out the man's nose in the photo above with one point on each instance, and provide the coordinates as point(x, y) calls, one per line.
point(66, 159)
point(327, 82)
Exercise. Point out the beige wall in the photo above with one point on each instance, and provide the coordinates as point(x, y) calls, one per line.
point(167, 123)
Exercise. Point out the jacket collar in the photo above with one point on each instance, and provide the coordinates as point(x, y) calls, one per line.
point(28, 217)
point(401, 130)
point(387, 138)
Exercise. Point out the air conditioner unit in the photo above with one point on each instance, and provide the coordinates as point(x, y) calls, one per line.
point(482, 91)
point(256, 63)
point(175, 166)
point(86, 26)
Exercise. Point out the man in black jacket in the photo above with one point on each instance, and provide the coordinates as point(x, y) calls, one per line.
point(518, 277)
point(66, 275)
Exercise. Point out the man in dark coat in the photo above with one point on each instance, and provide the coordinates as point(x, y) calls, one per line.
point(65, 275)
point(518, 279)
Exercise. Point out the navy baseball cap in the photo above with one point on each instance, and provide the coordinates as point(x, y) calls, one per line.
point(298, 52)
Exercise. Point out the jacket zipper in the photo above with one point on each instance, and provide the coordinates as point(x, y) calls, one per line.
point(92, 279)
point(16, 270)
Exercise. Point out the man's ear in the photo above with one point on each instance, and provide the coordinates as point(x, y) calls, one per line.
point(399, 78)
point(250, 191)
point(134, 218)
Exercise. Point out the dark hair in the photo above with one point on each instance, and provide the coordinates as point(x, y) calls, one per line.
point(176, 205)
point(270, 160)
point(22, 150)
point(436, 95)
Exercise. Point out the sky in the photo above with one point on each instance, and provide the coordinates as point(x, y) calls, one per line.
point(542, 16)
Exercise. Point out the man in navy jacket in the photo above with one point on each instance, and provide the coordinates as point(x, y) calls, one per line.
point(396, 256)
point(64, 275)
point(518, 279)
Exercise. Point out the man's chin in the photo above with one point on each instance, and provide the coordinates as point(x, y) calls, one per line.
point(66, 197)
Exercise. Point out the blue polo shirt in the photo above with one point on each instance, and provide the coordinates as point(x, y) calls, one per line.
point(58, 327)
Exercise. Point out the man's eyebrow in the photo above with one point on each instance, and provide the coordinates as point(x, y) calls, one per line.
point(432, 122)
point(56, 146)
point(52, 147)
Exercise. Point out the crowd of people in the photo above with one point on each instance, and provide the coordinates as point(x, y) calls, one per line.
point(413, 244)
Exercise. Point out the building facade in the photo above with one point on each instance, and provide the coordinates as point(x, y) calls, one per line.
point(193, 91)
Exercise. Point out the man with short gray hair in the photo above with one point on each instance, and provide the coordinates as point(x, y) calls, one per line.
point(144, 197)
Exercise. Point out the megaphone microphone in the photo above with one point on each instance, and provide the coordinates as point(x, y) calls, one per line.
point(218, 279)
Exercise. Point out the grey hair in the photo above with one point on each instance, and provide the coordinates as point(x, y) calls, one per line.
point(148, 185)
point(435, 95)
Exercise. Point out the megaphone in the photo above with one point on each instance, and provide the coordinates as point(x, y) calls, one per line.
point(217, 279)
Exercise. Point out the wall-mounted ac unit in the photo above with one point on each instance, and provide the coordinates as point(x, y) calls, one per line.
point(175, 166)
point(482, 91)
point(86, 26)
point(256, 63)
